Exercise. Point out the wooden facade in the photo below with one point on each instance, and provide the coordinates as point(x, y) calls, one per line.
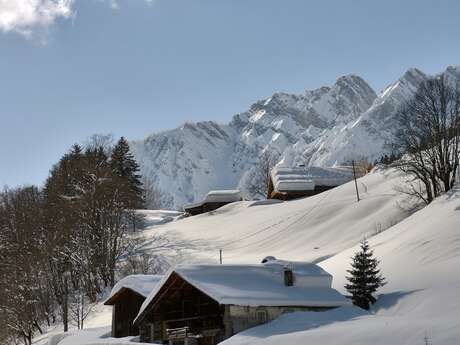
point(212, 201)
point(180, 306)
point(181, 314)
point(244, 317)
point(126, 305)
point(205, 207)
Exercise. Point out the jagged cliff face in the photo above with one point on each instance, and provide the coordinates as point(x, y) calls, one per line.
point(326, 126)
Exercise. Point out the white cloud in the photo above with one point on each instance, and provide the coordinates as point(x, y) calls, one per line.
point(28, 16)
point(114, 5)
point(32, 17)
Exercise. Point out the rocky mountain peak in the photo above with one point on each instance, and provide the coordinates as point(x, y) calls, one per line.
point(325, 126)
point(356, 89)
point(413, 76)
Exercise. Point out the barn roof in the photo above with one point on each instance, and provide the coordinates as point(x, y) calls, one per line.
point(257, 285)
point(141, 284)
point(225, 195)
point(287, 179)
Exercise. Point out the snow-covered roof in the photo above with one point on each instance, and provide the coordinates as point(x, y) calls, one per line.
point(258, 285)
point(306, 178)
point(142, 284)
point(290, 179)
point(225, 195)
point(159, 217)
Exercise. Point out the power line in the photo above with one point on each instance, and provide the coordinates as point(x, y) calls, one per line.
point(269, 227)
point(285, 228)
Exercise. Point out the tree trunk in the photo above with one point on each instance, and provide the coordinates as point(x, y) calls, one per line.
point(65, 306)
point(429, 192)
point(37, 326)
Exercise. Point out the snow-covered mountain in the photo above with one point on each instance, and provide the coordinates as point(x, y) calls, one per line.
point(325, 126)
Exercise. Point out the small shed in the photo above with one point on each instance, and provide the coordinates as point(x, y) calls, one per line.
point(126, 298)
point(213, 200)
point(205, 304)
point(288, 183)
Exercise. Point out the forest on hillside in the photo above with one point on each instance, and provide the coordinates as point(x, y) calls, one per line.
point(60, 245)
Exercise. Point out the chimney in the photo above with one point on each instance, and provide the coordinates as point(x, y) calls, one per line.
point(288, 276)
point(268, 259)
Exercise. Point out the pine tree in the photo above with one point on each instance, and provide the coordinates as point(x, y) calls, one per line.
point(126, 168)
point(365, 277)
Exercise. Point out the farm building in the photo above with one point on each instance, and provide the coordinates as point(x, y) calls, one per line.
point(292, 183)
point(213, 200)
point(126, 298)
point(205, 304)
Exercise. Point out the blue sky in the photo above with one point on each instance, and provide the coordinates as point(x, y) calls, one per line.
point(134, 67)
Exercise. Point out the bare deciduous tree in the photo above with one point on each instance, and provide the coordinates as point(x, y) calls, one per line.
point(258, 179)
point(152, 194)
point(429, 138)
point(80, 306)
point(98, 140)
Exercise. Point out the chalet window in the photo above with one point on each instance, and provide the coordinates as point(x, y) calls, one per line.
point(288, 277)
point(152, 332)
point(261, 316)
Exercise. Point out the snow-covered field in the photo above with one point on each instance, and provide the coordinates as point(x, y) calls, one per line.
point(419, 253)
point(420, 258)
point(97, 325)
point(305, 229)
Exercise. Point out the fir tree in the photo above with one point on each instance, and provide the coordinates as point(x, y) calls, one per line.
point(365, 277)
point(126, 168)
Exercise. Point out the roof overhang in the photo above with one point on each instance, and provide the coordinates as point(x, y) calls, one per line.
point(159, 292)
point(112, 299)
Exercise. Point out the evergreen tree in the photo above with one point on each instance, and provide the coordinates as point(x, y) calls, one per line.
point(126, 169)
point(365, 277)
point(62, 245)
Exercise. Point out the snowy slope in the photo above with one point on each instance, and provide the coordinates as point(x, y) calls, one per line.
point(303, 229)
point(420, 258)
point(326, 126)
point(419, 253)
point(157, 217)
point(97, 325)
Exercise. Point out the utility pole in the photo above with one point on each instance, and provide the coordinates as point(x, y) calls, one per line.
point(356, 183)
point(220, 254)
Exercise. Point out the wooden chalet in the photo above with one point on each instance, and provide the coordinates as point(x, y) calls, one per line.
point(293, 183)
point(213, 200)
point(126, 298)
point(205, 304)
